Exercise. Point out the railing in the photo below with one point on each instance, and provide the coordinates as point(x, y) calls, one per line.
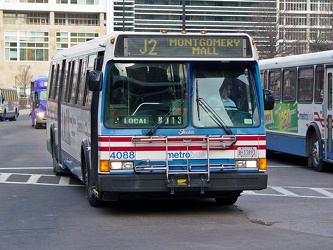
point(187, 174)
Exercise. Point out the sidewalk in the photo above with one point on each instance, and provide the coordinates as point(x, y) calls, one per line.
point(24, 111)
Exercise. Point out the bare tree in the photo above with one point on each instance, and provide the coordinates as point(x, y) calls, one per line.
point(24, 76)
point(322, 38)
point(266, 32)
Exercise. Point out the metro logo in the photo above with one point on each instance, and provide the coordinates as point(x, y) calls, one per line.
point(187, 155)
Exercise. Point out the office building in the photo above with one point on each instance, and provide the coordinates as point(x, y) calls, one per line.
point(33, 30)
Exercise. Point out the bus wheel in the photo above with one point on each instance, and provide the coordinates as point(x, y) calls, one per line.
point(226, 201)
point(92, 194)
point(55, 163)
point(14, 117)
point(56, 169)
point(314, 159)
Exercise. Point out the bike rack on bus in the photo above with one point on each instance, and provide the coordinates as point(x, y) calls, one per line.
point(189, 175)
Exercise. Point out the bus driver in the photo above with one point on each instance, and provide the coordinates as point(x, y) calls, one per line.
point(225, 91)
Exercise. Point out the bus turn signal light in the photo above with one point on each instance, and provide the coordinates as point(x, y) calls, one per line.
point(104, 166)
point(262, 164)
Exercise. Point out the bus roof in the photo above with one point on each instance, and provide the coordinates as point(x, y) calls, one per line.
point(322, 57)
point(169, 46)
point(8, 88)
point(40, 82)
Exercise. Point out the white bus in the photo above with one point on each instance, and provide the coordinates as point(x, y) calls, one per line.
point(301, 121)
point(130, 114)
point(9, 104)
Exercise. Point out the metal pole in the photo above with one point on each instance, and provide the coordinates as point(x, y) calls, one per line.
point(123, 15)
point(183, 15)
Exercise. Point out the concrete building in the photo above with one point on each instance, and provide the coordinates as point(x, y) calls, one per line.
point(33, 30)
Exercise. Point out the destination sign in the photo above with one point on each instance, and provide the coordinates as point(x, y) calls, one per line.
point(147, 120)
point(183, 46)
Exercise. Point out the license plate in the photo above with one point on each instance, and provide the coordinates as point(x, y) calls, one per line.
point(247, 152)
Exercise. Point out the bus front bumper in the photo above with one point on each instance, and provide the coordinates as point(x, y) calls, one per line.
point(114, 187)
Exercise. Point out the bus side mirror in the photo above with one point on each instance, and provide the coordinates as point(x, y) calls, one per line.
point(268, 99)
point(95, 79)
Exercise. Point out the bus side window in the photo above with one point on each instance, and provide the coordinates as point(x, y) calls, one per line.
point(289, 85)
point(305, 85)
point(52, 81)
point(319, 84)
point(74, 81)
point(81, 81)
point(275, 83)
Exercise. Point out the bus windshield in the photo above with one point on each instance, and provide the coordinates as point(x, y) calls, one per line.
point(43, 95)
point(145, 95)
point(224, 97)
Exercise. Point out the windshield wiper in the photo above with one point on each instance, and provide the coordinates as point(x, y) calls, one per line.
point(151, 131)
point(211, 112)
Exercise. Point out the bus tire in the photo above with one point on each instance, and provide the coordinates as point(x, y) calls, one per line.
point(14, 117)
point(227, 201)
point(57, 170)
point(315, 160)
point(92, 196)
point(3, 118)
point(55, 162)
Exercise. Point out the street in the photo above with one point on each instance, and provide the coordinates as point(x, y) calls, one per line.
point(42, 211)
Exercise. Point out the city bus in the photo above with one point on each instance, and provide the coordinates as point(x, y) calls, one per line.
point(132, 116)
point(38, 96)
point(301, 121)
point(9, 104)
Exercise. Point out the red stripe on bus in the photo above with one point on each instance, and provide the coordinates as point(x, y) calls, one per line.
point(173, 139)
point(174, 148)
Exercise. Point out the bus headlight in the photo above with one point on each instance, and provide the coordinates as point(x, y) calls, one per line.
point(246, 164)
point(121, 165)
point(40, 114)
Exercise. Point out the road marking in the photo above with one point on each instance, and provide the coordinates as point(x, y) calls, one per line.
point(323, 191)
point(64, 181)
point(4, 176)
point(35, 179)
point(25, 168)
point(284, 191)
point(52, 180)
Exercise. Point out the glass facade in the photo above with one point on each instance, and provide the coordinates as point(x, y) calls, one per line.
point(306, 24)
point(276, 25)
point(66, 40)
point(26, 46)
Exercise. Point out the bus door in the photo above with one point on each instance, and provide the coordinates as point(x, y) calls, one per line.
point(328, 112)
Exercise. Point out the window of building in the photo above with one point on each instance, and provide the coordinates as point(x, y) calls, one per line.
point(29, 18)
point(87, 2)
point(26, 46)
point(34, 1)
point(76, 19)
point(66, 40)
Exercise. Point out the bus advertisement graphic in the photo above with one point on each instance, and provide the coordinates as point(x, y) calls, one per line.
point(282, 118)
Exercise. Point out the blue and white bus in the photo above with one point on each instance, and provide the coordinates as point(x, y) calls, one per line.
point(301, 121)
point(38, 97)
point(141, 115)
